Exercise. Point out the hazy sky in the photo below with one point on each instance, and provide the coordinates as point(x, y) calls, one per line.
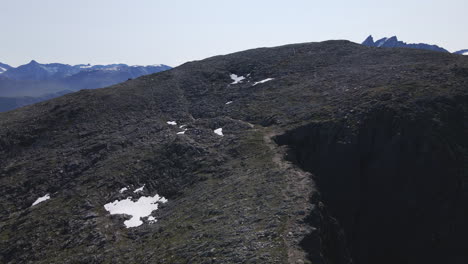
point(175, 31)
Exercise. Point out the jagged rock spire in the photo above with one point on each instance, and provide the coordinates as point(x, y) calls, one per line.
point(369, 41)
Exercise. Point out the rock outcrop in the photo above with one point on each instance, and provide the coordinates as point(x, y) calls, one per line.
point(393, 42)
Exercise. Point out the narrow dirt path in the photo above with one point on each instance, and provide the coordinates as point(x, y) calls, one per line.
point(297, 193)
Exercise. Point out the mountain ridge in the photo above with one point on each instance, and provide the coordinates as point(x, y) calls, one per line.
point(330, 152)
point(4, 67)
point(393, 42)
point(34, 82)
point(37, 71)
point(462, 52)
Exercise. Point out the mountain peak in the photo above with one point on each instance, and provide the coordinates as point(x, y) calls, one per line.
point(380, 42)
point(4, 67)
point(393, 42)
point(369, 41)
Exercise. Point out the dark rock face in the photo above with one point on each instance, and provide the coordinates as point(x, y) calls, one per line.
point(393, 42)
point(369, 41)
point(369, 165)
point(396, 185)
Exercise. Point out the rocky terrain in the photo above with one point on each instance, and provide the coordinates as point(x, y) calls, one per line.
point(328, 152)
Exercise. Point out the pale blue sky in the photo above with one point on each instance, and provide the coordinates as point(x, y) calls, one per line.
point(176, 31)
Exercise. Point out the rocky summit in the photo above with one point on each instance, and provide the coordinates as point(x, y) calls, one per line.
point(393, 42)
point(328, 152)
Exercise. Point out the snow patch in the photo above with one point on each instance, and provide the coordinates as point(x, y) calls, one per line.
point(465, 53)
point(219, 131)
point(381, 42)
point(139, 189)
point(151, 219)
point(230, 102)
point(181, 132)
point(2, 70)
point(143, 207)
point(263, 81)
point(49, 68)
point(172, 123)
point(41, 199)
point(115, 68)
point(236, 79)
point(123, 189)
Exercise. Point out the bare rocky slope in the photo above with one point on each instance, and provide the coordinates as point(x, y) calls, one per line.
point(343, 154)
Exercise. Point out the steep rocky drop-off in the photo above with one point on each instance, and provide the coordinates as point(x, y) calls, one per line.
point(331, 152)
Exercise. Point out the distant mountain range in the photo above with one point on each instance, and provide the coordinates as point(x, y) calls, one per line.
point(35, 82)
point(4, 67)
point(393, 42)
point(462, 52)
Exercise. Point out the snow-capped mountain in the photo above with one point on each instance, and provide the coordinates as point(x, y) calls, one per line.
point(57, 71)
point(36, 82)
point(36, 71)
point(393, 42)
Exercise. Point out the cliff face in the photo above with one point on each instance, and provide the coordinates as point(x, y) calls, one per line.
point(329, 153)
point(396, 183)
